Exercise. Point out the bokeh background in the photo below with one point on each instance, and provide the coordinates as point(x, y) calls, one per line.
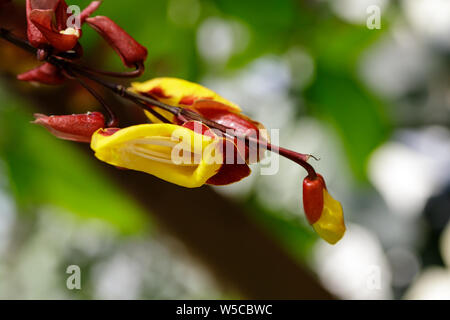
point(374, 105)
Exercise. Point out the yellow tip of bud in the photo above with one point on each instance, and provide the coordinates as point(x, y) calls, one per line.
point(330, 226)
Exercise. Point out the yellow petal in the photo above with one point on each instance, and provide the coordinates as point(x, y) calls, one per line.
point(330, 226)
point(151, 148)
point(178, 92)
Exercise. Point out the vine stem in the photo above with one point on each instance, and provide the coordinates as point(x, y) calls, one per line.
point(75, 71)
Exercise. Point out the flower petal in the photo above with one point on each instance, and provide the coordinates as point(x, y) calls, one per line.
point(178, 92)
point(151, 148)
point(234, 168)
point(61, 41)
point(129, 50)
point(330, 226)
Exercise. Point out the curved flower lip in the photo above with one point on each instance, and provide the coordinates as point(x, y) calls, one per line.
point(156, 149)
point(78, 127)
point(129, 50)
point(150, 147)
point(42, 20)
point(47, 24)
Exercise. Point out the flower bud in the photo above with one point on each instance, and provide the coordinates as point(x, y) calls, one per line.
point(46, 74)
point(323, 212)
point(77, 127)
point(129, 50)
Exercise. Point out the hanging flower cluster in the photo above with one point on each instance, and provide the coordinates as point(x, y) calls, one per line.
point(53, 29)
point(195, 137)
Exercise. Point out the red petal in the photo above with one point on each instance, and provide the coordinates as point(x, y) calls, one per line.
point(199, 128)
point(44, 4)
point(313, 198)
point(42, 19)
point(129, 50)
point(78, 127)
point(61, 15)
point(46, 74)
point(89, 10)
point(234, 167)
point(35, 37)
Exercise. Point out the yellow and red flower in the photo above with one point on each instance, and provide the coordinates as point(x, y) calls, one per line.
point(189, 155)
point(209, 105)
point(324, 213)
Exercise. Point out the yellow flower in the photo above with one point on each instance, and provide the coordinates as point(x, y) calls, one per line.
point(169, 152)
point(178, 92)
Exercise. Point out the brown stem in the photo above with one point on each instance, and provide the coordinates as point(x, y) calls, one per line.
point(131, 74)
point(112, 120)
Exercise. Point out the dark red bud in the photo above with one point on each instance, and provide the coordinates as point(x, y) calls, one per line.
point(46, 74)
point(77, 127)
point(42, 20)
point(129, 50)
point(313, 198)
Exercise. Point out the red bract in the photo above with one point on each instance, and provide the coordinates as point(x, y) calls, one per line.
point(51, 35)
point(239, 123)
point(313, 197)
point(234, 167)
point(46, 20)
point(77, 127)
point(46, 74)
point(48, 24)
point(129, 50)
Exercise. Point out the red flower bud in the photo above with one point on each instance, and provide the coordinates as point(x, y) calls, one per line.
point(46, 74)
point(47, 25)
point(43, 21)
point(90, 9)
point(129, 50)
point(313, 198)
point(77, 127)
